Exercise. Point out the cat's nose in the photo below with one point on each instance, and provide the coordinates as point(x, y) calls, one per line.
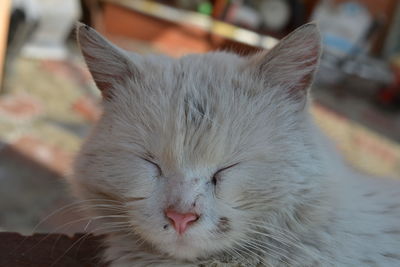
point(181, 220)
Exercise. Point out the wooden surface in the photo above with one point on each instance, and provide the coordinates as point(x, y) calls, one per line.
point(47, 250)
point(5, 6)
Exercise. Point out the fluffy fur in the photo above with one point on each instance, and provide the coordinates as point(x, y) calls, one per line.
point(169, 126)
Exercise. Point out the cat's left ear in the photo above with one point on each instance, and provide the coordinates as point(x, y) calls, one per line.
point(291, 64)
point(108, 64)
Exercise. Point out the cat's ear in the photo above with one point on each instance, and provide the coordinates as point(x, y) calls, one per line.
point(291, 64)
point(108, 64)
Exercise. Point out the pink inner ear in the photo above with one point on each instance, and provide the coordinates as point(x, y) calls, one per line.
point(308, 62)
point(105, 88)
point(98, 77)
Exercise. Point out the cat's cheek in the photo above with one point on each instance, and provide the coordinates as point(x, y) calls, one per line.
point(145, 186)
point(227, 190)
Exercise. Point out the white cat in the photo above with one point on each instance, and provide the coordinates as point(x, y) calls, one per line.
point(213, 159)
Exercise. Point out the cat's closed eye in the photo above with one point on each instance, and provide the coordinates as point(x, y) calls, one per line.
point(217, 175)
point(153, 164)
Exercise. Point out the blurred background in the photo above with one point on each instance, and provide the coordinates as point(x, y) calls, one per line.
point(48, 101)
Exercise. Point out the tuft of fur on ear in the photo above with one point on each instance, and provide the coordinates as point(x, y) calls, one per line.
point(291, 64)
point(108, 64)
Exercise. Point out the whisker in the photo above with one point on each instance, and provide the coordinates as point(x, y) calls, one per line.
point(268, 226)
point(276, 237)
point(73, 222)
point(73, 244)
point(263, 247)
point(249, 252)
point(65, 208)
point(287, 243)
point(240, 256)
point(112, 207)
point(134, 199)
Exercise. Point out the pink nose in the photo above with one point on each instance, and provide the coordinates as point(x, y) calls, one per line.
point(181, 220)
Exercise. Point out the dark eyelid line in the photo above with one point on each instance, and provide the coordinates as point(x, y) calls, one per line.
point(152, 162)
point(225, 168)
point(148, 160)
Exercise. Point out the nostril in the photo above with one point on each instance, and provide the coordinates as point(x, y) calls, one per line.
point(181, 221)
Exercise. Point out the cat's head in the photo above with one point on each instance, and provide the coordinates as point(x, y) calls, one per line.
point(195, 152)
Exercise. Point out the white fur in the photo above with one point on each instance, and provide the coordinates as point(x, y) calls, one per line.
point(290, 201)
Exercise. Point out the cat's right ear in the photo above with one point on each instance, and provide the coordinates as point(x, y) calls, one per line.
point(108, 64)
point(290, 66)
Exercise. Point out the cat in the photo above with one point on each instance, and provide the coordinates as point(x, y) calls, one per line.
point(213, 160)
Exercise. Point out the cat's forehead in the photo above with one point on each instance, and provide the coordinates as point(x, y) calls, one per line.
point(197, 109)
point(209, 60)
point(194, 66)
point(192, 118)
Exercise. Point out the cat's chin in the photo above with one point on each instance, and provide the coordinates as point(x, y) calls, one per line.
point(186, 247)
point(187, 253)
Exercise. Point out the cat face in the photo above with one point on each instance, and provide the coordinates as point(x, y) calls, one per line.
point(193, 153)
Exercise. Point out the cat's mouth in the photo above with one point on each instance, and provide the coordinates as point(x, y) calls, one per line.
point(195, 243)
